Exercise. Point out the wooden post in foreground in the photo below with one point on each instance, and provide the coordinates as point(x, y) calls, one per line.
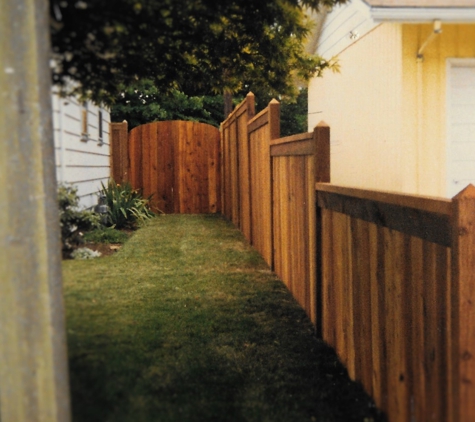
point(33, 361)
point(462, 355)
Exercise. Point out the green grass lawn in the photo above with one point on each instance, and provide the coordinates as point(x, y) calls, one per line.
point(187, 323)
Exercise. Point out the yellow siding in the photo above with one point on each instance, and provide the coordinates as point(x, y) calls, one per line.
point(362, 105)
point(387, 112)
point(424, 163)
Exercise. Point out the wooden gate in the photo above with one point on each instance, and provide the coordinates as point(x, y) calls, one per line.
point(178, 163)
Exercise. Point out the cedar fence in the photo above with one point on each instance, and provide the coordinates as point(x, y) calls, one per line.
point(177, 162)
point(388, 279)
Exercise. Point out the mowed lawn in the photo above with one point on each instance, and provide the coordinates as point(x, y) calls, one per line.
point(187, 323)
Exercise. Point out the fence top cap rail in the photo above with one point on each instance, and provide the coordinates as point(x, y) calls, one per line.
point(264, 111)
point(292, 138)
point(424, 203)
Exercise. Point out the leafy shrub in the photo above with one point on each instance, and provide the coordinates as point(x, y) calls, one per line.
point(127, 207)
point(73, 221)
point(85, 253)
point(105, 235)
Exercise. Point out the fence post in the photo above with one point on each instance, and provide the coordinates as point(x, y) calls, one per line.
point(119, 152)
point(462, 353)
point(34, 385)
point(274, 133)
point(321, 134)
point(250, 105)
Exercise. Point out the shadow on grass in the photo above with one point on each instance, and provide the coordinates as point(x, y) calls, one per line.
point(186, 323)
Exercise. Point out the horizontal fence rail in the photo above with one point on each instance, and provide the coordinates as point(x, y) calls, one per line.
point(397, 287)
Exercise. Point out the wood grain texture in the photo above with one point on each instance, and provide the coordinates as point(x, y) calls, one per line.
point(236, 173)
point(119, 152)
point(427, 225)
point(261, 189)
point(408, 297)
point(462, 304)
point(178, 163)
point(34, 384)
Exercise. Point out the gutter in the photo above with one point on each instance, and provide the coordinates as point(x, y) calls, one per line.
point(423, 14)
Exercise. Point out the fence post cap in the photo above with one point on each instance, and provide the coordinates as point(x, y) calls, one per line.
point(274, 101)
point(250, 94)
point(468, 192)
point(322, 124)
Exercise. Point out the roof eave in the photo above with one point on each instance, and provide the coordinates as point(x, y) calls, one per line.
point(422, 15)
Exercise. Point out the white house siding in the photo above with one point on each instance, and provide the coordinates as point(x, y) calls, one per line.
point(363, 106)
point(80, 160)
point(342, 27)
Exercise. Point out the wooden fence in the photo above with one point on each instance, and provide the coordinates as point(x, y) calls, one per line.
point(177, 162)
point(297, 163)
point(268, 190)
point(236, 194)
point(261, 129)
point(388, 279)
point(119, 139)
point(398, 288)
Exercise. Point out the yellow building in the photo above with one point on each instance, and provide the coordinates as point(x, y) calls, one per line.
point(402, 108)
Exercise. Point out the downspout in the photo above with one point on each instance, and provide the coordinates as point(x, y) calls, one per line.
point(437, 29)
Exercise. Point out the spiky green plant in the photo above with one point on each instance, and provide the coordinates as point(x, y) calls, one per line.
point(127, 207)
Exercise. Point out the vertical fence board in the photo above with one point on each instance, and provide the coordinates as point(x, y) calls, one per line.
point(327, 291)
point(234, 172)
point(376, 297)
point(395, 339)
point(312, 238)
point(417, 332)
point(362, 303)
point(244, 171)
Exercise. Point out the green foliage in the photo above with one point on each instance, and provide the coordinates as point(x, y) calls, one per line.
point(143, 103)
point(73, 221)
point(106, 235)
point(198, 47)
point(294, 114)
point(127, 207)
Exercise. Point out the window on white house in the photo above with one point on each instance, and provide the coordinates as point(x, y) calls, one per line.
point(84, 122)
point(100, 142)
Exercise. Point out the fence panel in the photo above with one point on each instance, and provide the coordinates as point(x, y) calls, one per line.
point(294, 165)
point(236, 170)
point(262, 129)
point(178, 163)
point(393, 306)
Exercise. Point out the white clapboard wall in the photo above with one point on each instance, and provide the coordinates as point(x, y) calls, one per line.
point(81, 138)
